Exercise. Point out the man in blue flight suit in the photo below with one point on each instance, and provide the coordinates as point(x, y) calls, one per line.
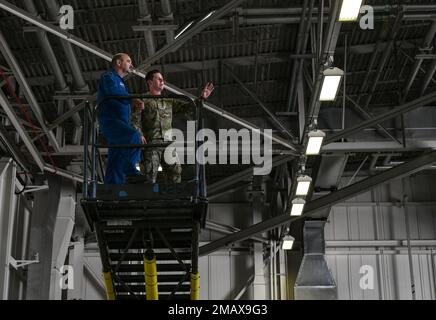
point(114, 121)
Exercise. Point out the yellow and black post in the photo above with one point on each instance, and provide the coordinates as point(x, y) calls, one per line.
point(150, 273)
point(195, 274)
point(110, 292)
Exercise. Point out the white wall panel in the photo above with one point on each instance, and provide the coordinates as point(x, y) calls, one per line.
point(377, 216)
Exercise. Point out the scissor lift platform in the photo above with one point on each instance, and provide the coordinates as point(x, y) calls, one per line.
point(132, 219)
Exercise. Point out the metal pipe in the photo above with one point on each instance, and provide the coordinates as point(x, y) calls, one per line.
point(276, 121)
point(379, 243)
point(292, 85)
point(368, 116)
point(168, 14)
point(79, 81)
point(314, 209)
point(332, 34)
point(383, 60)
point(417, 64)
point(63, 173)
point(345, 82)
point(108, 57)
point(409, 248)
point(60, 82)
point(422, 101)
point(148, 34)
point(93, 155)
point(234, 118)
point(428, 77)
point(21, 131)
point(27, 91)
point(230, 5)
point(85, 150)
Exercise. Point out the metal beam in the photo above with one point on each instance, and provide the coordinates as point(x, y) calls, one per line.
point(367, 115)
point(27, 91)
point(278, 124)
point(53, 64)
point(378, 146)
point(144, 15)
point(168, 15)
point(221, 228)
point(22, 133)
point(244, 174)
point(332, 34)
point(107, 56)
point(301, 31)
point(313, 207)
point(422, 101)
point(188, 34)
point(196, 65)
point(15, 152)
point(383, 60)
point(54, 30)
point(418, 62)
point(428, 77)
point(235, 119)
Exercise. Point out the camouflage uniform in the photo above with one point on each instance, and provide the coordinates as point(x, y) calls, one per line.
point(152, 123)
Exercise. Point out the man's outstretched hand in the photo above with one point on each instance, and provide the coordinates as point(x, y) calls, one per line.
point(207, 90)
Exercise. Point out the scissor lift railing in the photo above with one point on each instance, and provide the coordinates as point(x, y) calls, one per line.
point(148, 234)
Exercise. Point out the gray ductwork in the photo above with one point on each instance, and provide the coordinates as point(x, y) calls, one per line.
point(79, 81)
point(145, 16)
point(60, 83)
point(167, 14)
point(314, 280)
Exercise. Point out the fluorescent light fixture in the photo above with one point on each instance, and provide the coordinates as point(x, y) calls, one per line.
point(287, 242)
point(303, 185)
point(316, 137)
point(207, 16)
point(297, 207)
point(160, 168)
point(184, 29)
point(330, 84)
point(350, 10)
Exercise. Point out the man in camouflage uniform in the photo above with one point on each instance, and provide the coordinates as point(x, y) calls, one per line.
point(155, 121)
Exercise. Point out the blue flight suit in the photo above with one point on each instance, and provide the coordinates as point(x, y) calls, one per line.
point(114, 122)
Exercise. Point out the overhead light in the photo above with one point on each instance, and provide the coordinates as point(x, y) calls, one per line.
point(207, 16)
point(303, 185)
point(316, 137)
point(184, 29)
point(297, 207)
point(330, 84)
point(287, 242)
point(350, 10)
point(160, 168)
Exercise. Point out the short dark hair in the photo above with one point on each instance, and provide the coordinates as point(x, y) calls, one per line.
point(117, 57)
point(150, 75)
